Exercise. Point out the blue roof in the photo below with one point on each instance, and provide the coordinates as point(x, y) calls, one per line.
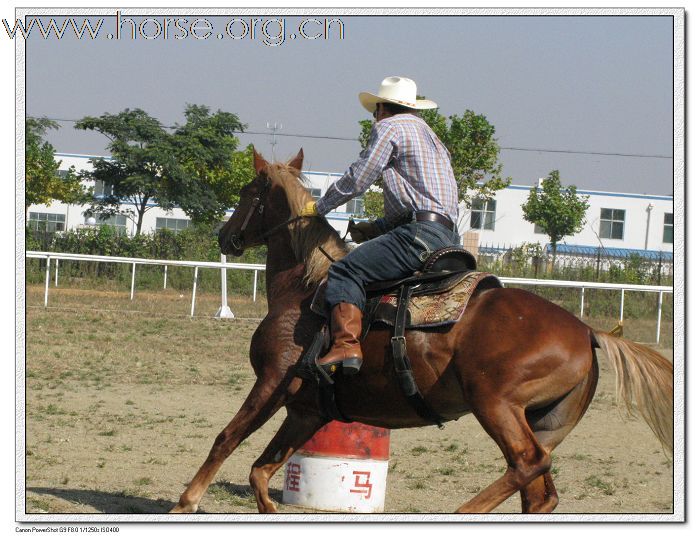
point(612, 252)
point(583, 250)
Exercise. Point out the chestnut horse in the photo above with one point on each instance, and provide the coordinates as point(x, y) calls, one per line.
point(522, 365)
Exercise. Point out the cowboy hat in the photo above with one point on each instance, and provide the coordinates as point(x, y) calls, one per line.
point(399, 90)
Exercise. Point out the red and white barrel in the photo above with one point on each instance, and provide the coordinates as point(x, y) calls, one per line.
point(342, 468)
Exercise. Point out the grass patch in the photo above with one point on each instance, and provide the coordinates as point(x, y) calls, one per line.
point(38, 505)
point(446, 471)
point(595, 482)
point(53, 409)
point(225, 492)
point(236, 379)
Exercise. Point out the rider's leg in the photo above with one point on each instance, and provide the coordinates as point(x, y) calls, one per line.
point(391, 256)
point(346, 328)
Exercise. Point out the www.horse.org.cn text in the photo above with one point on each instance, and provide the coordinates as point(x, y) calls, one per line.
point(271, 32)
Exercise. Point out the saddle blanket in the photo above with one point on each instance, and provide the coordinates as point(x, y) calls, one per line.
point(427, 309)
point(438, 309)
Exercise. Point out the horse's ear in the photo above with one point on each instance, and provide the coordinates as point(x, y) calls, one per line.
point(297, 161)
point(259, 163)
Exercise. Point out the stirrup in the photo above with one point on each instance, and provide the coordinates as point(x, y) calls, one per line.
point(350, 366)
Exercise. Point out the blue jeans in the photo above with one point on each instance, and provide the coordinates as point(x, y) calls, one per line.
point(393, 255)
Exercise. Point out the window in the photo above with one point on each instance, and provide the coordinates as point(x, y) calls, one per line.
point(118, 222)
point(175, 225)
point(483, 214)
point(612, 223)
point(668, 227)
point(356, 206)
point(62, 173)
point(315, 194)
point(103, 189)
point(47, 222)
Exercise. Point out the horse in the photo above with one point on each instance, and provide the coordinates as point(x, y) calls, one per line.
point(523, 366)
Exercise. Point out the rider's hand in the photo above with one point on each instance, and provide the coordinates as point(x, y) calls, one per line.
point(363, 231)
point(309, 210)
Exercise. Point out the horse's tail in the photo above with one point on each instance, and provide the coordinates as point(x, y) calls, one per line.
point(644, 382)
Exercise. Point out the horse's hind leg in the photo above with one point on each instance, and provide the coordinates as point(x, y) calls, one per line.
point(539, 496)
point(296, 429)
point(264, 400)
point(551, 425)
point(526, 458)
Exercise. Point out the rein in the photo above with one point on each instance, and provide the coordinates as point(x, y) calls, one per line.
point(258, 205)
point(274, 229)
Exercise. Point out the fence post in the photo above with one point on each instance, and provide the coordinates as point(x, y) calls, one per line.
point(658, 317)
point(56, 278)
point(224, 311)
point(48, 278)
point(194, 290)
point(622, 306)
point(255, 284)
point(583, 290)
point(133, 279)
point(165, 277)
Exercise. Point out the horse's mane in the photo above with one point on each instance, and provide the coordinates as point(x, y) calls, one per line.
point(307, 234)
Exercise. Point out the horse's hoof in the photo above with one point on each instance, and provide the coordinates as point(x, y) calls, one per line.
point(268, 508)
point(179, 508)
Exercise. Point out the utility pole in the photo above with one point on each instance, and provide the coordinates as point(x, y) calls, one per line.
point(274, 128)
point(646, 237)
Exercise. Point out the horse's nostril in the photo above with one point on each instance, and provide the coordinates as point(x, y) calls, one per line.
point(235, 242)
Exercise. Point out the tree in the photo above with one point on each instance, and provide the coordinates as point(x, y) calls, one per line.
point(213, 171)
point(196, 167)
point(558, 211)
point(142, 168)
point(42, 181)
point(473, 149)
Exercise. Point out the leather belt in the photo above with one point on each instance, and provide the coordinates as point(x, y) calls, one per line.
point(431, 216)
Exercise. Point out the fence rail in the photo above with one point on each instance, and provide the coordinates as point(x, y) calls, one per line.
point(223, 266)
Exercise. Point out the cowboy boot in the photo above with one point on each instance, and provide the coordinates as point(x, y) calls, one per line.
point(346, 328)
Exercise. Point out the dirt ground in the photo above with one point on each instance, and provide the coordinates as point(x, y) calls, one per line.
point(122, 408)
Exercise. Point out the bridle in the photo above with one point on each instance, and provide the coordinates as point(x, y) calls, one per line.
point(258, 205)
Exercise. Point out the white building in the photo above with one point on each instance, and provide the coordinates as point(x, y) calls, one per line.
point(620, 222)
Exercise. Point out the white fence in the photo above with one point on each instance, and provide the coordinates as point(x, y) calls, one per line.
point(224, 311)
point(222, 266)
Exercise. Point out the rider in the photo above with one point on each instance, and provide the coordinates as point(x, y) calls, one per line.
point(420, 206)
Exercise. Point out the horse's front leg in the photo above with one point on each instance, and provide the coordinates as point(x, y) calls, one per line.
point(264, 400)
point(296, 429)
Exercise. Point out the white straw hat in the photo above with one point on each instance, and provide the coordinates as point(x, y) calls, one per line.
point(399, 90)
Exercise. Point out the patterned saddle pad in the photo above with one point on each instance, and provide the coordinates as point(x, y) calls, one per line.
point(424, 310)
point(437, 309)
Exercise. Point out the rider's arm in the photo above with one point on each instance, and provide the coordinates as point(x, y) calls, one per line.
point(363, 172)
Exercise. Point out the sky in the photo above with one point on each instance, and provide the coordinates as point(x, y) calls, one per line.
point(565, 84)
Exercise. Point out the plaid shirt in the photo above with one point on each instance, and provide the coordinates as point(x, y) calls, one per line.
point(415, 166)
